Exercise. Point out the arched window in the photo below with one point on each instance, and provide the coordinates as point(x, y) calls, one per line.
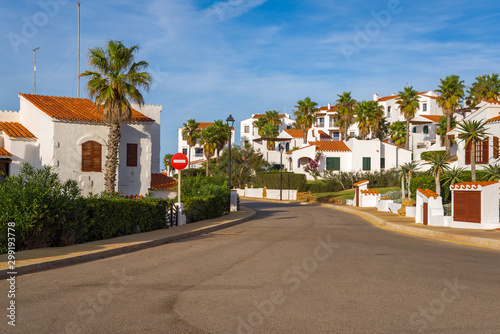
point(414, 130)
point(91, 156)
point(426, 129)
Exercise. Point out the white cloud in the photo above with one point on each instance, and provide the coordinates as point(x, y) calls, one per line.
point(226, 10)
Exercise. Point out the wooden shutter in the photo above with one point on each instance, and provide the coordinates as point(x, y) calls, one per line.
point(91, 156)
point(132, 150)
point(333, 163)
point(495, 147)
point(467, 154)
point(367, 163)
point(467, 206)
point(486, 147)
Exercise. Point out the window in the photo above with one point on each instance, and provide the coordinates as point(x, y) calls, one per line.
point(336, 136)
point(382, 162)
point(333, 120)
point(4, 168)
point(389, 111)
point(321, 122)
point(424, 106)
point(198, 152)
point(247, 142)
point(426, 129)
point(333, 163)
point(132, 155)
point(288, 127)
point(91, 156)
point(185, 151)
point(287, 147)
point(414, 129)
point(482, 156)
point(367, 164)
point(351, 134)
point(298, 163)
point(247, 129)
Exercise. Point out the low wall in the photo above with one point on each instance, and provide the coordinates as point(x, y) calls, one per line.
point(287, 194)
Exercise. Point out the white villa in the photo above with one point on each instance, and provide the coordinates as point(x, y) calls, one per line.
point(70, 135)
point(196, 155)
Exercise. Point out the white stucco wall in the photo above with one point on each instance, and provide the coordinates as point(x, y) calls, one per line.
point(22, 150)
point(365, 148)
point(154, 112)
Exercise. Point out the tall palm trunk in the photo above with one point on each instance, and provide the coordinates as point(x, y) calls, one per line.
point(403, 194)
point(189, 157)
point(112, 157)
point(473, 160)
point(438, 184)
point(407, 142)
point(448, 128)
point(208, 162)
point(408, 182)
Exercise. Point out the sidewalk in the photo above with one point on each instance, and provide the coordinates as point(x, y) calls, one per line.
point(35, 260)
point(391, 221)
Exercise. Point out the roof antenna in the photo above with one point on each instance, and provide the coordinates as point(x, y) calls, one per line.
point(78, 74)
point(34, 70)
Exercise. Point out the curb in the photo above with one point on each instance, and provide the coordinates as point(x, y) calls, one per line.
point(444, 236)
point(36, 267)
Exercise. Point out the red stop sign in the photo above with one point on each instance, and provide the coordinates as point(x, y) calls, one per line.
point(179, 161)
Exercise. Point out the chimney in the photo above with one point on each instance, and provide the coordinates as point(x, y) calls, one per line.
point(329, 106)
point(375, 97)
point(393, 94)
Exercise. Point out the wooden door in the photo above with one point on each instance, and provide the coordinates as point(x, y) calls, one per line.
point(426, 214)
point(467, 206)
point(357, 196)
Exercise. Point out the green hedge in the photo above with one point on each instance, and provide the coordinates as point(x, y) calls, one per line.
point(201, 208)
point(112, 217)
point(271, 180)
point(323, 186)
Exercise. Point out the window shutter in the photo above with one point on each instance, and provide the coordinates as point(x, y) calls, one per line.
point(467, 154)
point(495, 147)
point(132, 155)
point(367, 164)
point(91, 156)
point(486, 146)
point(333, 163)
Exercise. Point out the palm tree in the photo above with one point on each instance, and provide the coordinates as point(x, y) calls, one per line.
point(451, 91)
point(116, 79)
point(408, 104)
point(397, 132)
point(491, 172)
point(375, 117)
point(441, 127)
point(305, 115)
point(273, 117)
point(486, 87)
point(454, 175)
point(191, 133)
point(472, 132)
point(410, 168)
point(221, 131)
point(402, 174)
point(269, 131)
point(167, 162)
point(345, 111)
point(363, 116)
point(208, 141)
point(439, 162)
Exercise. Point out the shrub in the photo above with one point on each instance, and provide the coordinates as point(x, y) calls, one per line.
point(428, 154)
point(45, 211)
point(323, 186)
point(271, 180)
point(346, 180)
point(115, 217)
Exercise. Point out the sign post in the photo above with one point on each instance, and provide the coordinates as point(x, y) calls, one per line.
point(179, 161)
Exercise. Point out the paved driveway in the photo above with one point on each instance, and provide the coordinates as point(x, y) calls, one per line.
point(294, 269)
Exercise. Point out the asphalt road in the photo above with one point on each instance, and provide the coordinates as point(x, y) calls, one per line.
point(294, 269)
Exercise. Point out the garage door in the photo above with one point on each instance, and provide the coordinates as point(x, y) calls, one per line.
point(467, 206)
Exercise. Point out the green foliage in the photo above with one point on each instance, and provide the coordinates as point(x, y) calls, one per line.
point(345, 180)
point(115, 217)
point(204, 197)
point(271, 180)
point(46, 211)
point(192, 172)
point(423, 181)
point(428, 155)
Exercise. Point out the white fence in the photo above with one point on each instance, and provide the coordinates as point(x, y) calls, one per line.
point(287, 194)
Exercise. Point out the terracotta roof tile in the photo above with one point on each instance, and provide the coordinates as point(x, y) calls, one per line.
point(493, 119)
point(15, 130)
point(74, 109)
point(361, 182)
point(325, 108)
point(295, 133)
point(324, 135)
point(330, 146)
point(428, 193)
point(161, 181)
point(434, 118)
point(370, 192)
point(492, 101)
point(4, 152)
point(472, 185)
point(390, 97)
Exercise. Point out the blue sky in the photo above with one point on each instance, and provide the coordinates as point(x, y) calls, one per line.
point(210, 59)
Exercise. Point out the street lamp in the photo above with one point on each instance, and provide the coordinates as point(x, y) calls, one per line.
point(281, 149)
point(230, 123)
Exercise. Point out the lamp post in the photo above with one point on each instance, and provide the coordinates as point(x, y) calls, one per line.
point(230, 123)
point(281, 149)
point(34, 70)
